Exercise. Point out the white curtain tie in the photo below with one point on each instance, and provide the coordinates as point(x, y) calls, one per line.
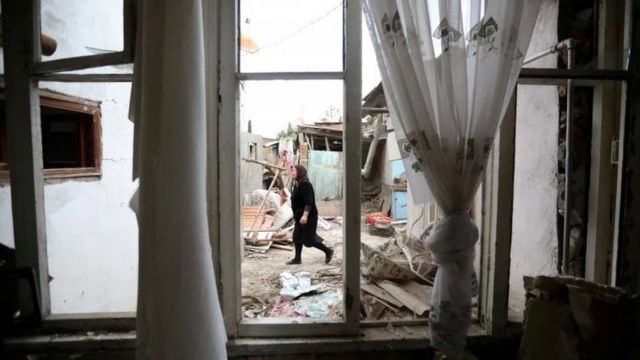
point(461, 256)
point(453, 238)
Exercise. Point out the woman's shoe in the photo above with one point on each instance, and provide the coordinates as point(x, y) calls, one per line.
point(294, 262)
point(328, 256)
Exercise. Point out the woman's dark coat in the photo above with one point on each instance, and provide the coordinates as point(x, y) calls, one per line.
point(303, 198)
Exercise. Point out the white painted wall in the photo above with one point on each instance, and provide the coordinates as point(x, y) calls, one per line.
point(534, 237)
point(92, 238)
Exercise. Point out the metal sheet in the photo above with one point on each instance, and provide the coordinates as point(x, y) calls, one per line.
point(326, 172)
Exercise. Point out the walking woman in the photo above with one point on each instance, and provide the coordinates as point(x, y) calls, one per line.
point(305, 214)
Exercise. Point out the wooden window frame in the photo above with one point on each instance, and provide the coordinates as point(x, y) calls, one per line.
point(221, 109)
point(228, 138)
point(76, 105)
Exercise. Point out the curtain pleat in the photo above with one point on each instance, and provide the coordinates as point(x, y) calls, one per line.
point(178, 314)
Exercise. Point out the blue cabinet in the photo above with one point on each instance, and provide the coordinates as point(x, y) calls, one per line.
point(399, 204)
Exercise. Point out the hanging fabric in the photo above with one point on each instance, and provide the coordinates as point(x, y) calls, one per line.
point(449, 68)
point(178, 315)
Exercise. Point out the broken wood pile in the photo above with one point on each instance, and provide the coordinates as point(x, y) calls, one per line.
point(388, 296)
point(258, 232)
point(262, 237)
point(397, 259)
point(400, 275)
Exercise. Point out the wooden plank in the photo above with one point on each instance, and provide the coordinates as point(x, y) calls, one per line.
point(21, 21)
point(418, 290)
point(381, 294)
point(259, 249)
point(260, 230)
point(377, 311)
point(81, 62)
point(282, 247)
point(264, 200)
point(273, 166)
point(407, 299)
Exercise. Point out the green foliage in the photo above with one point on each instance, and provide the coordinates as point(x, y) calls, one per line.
point(288, 134)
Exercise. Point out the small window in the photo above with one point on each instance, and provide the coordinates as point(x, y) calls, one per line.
point(70, 129)
point(253, 149)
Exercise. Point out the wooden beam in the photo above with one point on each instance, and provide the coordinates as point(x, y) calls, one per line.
point(604, 127)
point(269, 76)
point(352, 148)
point(21, 21)
point(81, 62)
point(264, 201)
point(264, 163)
point(628, 266)
point(129, 22)
point(374, 110)
point(497, 212)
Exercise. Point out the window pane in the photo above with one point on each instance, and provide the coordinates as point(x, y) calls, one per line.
point(92, 234)
point(303, 119)
point(290, 35)
point(6, 218)
point(596, 27)
point(271, 106)
point(86, 34)
point(391, 216)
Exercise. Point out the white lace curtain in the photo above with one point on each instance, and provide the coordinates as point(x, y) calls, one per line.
point(449, 68)
point(178, 314)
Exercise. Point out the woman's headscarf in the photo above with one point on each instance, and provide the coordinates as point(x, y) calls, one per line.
point(301, 172)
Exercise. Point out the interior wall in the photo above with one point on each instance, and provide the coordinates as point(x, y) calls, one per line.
point(534, 238)
point(92, 240)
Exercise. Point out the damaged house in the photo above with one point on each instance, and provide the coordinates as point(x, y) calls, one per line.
point(124, 161)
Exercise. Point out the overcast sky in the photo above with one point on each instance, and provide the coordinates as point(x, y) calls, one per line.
point(295, 35)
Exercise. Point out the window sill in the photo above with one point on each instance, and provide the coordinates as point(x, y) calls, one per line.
point(57, 174)
point(378, 338)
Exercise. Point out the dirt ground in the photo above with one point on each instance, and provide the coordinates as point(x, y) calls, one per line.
point(261, 272)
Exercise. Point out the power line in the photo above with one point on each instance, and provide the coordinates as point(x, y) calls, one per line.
point(299, 30)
